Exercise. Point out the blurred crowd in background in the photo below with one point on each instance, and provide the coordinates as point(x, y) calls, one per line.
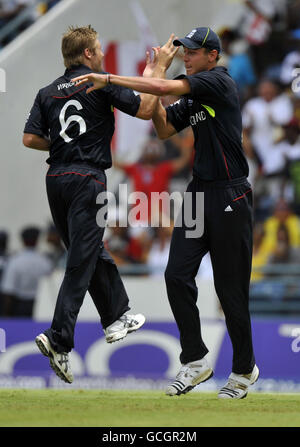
point(17, 15)
point(262, 54)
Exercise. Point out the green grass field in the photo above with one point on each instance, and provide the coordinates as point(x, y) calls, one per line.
point(86, 408)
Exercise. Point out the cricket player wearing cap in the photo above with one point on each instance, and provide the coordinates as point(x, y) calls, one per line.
point(209, 103)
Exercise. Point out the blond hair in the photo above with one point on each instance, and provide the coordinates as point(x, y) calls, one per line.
point(75, 41)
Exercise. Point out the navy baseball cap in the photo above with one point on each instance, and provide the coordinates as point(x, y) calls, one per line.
point(202, 37)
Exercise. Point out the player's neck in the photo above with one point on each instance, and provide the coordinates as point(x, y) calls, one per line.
point(87, 63)
point(211, 66)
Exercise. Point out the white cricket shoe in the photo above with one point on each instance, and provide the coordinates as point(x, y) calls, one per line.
point(59, 361)
point(123, 326)
point(238, 384)
point(190, 375)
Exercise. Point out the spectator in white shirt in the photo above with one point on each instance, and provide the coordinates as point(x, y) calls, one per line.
point(22, 275)
point(263, 117)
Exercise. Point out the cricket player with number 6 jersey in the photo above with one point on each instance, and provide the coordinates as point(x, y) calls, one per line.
point(77, 130)
point(209, 104)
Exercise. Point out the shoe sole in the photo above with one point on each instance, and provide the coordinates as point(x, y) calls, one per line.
point(117, 337)
point(43, 345)
point(122, 334)
point(200, 379)
point(58, 371)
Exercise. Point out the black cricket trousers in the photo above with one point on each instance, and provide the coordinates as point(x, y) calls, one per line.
point(227, 237)
point(72, 193)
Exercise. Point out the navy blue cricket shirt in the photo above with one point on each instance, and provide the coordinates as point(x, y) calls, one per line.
point(212, 109)
point(80, 126)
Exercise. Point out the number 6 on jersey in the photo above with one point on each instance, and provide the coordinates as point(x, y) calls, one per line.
point(65, 124)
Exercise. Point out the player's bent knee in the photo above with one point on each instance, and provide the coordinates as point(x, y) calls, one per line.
point(172, 276)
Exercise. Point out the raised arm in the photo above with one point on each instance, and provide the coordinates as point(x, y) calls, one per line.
point(152, 69)
point(152, 82)
point(154, 86)
point(151, 86)
point(162, 59)
point(163, 127)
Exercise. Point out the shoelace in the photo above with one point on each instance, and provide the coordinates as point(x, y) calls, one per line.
point(128, 320)
point(185, 371)
point(64, 358)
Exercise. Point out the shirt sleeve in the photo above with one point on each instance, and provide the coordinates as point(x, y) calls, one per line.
point(36, 123)
point(178, 114)
point(124, 99)
point(207, 85)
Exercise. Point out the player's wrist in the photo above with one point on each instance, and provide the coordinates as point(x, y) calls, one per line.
point(159, 71)
point(108, 78)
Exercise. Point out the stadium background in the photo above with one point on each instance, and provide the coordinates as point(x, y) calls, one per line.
point(147, 359)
